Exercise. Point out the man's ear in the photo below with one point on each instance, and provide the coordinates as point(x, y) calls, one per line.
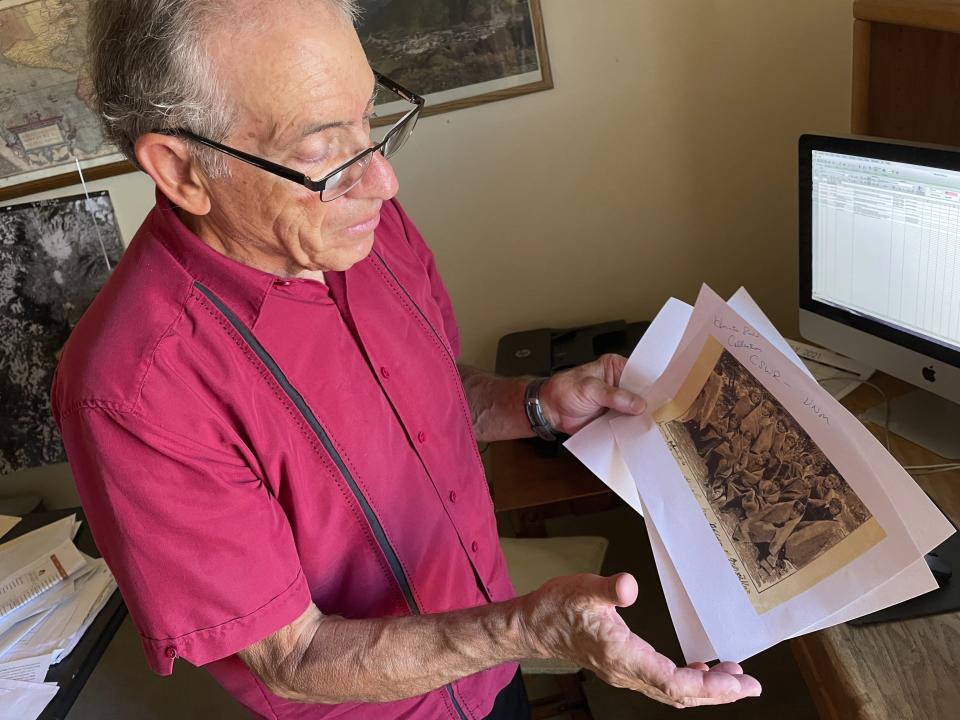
point(170, 163)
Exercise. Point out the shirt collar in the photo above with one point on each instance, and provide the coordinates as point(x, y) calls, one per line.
point(240, 286)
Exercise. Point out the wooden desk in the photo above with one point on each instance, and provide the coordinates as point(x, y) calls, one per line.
point(893, 671)
point(898, 670)
point(532, 488)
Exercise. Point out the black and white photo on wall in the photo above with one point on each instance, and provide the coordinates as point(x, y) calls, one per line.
point(54, 256)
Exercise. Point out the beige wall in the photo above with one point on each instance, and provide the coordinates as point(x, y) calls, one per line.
point(664, 157)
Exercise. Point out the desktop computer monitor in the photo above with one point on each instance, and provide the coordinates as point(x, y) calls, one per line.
point(880, 270)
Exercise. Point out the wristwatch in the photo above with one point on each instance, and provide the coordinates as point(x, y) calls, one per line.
point(536, 418)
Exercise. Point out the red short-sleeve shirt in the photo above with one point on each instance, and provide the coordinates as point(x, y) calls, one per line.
point(244, 444)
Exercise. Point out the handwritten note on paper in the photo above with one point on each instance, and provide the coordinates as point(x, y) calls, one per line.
point(749, 462)
point(599, 450)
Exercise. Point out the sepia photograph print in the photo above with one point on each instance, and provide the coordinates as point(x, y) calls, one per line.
point(785, 516)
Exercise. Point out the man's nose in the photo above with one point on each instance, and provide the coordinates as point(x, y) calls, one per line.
point(378, 182)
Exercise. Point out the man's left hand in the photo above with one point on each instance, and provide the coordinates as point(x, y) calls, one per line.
point(573, 398)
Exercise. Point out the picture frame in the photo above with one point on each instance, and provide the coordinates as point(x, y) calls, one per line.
point(494, 50)
point(475, 46)
point(47, 122)
point(55, 255)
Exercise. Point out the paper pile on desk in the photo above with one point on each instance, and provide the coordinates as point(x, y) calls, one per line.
point(772, 512)
point(50, 592)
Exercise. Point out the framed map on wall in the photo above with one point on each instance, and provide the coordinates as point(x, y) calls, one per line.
point(54, 257)
point(47, 123)
point(456, 53)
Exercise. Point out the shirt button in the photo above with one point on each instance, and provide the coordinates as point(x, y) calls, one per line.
point(422, 436)
point(282, 283)
point(453, 496)
point(170, 652)
point(384, 373)
point(475, 546)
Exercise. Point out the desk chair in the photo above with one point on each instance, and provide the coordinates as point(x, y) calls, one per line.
point(531, 562)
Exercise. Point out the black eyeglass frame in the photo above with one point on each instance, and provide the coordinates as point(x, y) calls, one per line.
point(297, 176)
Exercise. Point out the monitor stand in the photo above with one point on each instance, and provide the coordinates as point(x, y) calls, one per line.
point(924, 419)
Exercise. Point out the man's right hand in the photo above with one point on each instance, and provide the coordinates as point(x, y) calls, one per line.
point(575, 618)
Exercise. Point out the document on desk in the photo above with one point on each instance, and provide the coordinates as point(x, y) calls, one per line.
point(50, 593)
point(58, 632)
point(21, 700)
point(30, 669)
point(771, 510)
point(35, 543)
point(39, 575)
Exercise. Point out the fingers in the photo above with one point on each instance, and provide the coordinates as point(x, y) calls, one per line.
point(626, 590)
point(611, 366)
point(731, 668)
point(694, 685)
point(620, 590)
point(616, 398)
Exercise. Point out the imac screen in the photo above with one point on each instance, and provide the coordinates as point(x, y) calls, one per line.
point(885, 242)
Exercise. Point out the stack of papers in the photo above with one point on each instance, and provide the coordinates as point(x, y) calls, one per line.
point(772, 512)
point(50, 592)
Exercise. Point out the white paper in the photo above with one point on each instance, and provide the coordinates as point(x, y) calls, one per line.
point(30, 669)
point(7, 523)
point(40, 605)
point(45, 603)
point(21, 551)
point(20, 629)
point(24, 700)
point(736, 630)
point(597, 448)
point(594, 445)
point(67, 645)
point(693, 638)
point(912, 582)
point(59, 627)
point(39, 576)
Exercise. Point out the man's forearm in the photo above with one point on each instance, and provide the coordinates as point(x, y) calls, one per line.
point(334, 660)
point(496, 405)
point(331, 660)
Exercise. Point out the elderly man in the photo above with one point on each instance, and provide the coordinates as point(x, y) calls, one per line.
point(272, 439)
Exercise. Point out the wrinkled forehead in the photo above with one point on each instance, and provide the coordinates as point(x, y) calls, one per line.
point(293, 70)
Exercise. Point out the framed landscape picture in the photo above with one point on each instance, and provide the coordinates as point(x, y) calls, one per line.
point(47, 123)
point(456, 53)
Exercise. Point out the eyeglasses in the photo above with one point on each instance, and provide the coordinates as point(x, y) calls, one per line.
point(344, 177)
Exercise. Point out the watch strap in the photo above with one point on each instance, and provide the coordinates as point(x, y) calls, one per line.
point(536, 418)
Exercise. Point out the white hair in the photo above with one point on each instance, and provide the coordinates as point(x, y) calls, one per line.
point(151, 70)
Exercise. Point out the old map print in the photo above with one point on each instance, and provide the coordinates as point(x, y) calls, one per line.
point(46, 119)
point(53, 259)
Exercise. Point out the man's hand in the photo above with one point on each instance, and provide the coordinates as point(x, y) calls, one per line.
point(576, 618)
point(573, 398)
point(326, 659)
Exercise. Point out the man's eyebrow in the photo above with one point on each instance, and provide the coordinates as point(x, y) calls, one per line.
point(313, 129)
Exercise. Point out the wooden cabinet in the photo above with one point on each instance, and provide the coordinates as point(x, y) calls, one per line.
point(906, 70)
